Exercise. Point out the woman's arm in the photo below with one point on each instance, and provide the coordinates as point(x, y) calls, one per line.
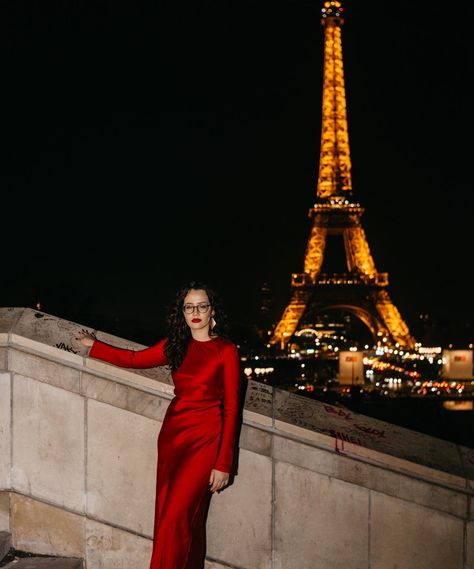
point(231, 401)
point(148, 357)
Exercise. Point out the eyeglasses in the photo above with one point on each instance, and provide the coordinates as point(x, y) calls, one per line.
point(202, 307)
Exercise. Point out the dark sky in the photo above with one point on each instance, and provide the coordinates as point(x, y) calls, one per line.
point(148, 143)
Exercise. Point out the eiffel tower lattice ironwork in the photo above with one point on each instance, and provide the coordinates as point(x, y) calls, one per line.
point(360, 290)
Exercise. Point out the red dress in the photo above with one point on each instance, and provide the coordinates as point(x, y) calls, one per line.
point(198, 433)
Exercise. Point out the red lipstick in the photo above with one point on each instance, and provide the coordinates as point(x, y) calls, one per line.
point(196, 320)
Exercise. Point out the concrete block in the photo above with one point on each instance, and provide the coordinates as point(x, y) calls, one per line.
point(111, 548)
point(5, 543)
point(255, 419)
point(42, 328)
point(45, 529)
point(255, 440)
point(359, 435)
point(4, 510)
point(242, 514)
point(470, 543)
point(215, 565)
point(370, 476)
point(5, 431)
point(319, 521)
point(3, 359)
point(45, 563)
point(48, 443)
point(121, 467)
point(124, 396)
point(259, 398)
point(8, 317)
point(131, 377)
point(467, 457)
point(45, 370)
point(403, 534)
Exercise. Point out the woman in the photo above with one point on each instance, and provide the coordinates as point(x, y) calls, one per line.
point(197, 438)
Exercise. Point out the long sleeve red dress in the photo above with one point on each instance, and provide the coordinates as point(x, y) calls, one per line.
point(198, 434)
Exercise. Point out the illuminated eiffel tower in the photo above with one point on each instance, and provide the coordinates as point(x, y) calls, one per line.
point(359, 289)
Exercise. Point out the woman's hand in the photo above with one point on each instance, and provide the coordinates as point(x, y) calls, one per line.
point(86, 338)
point(218, 480)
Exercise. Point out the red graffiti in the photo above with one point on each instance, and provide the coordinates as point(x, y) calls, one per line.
point(339, 412)
point(346, 438)
point(339, 450)
point(370, 431)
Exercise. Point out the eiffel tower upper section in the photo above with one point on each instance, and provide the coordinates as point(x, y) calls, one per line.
point(334, 180)
point(360, 289)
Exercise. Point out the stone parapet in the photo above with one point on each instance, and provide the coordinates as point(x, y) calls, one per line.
point(316, 485)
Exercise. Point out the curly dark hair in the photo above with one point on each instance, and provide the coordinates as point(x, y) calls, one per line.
point(179, 333)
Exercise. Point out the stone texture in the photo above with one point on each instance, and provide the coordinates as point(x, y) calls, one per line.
point(470, 544)
point(417, 491)
point(467, 457)
point(121, 467)
point(124, 396)
point(403, 534)
point(303, 435)
point(4, 510)
point(357, 472)
point(45, 370)
point(8, 316)
point(3, 359)
point(48, 443)
point(45, 563)
point(51, 331)
point(128, 376)
point(240, 517)
point(366, 432)
point(255, 440)
point(112, 548)
point(258, 398)
point(319, 521)
point(5, 543)
point(214, 565)
point(5, 431)
point(44, 529)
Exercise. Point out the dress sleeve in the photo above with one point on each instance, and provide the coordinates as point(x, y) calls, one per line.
point(231, 401)
point(148, 357)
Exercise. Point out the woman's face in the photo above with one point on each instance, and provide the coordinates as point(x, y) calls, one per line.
point(197, 309)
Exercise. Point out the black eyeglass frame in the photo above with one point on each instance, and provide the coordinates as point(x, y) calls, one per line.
point(189, 308)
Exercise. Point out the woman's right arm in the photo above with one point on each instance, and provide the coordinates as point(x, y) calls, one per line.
point(148, 357)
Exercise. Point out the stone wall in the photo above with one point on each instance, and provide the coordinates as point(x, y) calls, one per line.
point(317, 487)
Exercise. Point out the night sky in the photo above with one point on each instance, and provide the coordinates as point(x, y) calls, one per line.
point(145, 144)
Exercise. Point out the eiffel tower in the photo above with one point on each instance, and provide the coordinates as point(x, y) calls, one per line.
point(359, 289)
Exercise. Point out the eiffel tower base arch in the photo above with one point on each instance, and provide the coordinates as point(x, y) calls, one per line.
point(370, 304)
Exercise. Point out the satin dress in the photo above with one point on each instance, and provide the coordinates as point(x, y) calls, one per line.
point(198, 434)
